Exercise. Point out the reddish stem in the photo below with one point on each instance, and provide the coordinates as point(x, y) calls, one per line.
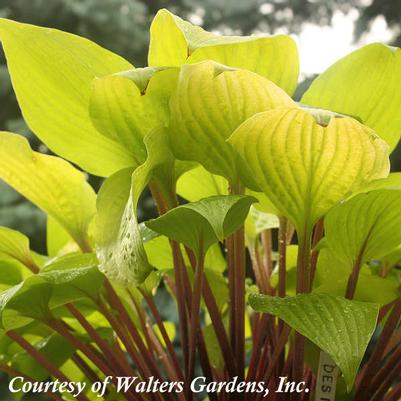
point(42, 360)
point(384, 377)
point(194, 313)
point(303, 280)
point(217, 321)
point(364, 390)
point(116, 303)
point(282, 259)
point(275, 357)
point(164, 334)
point(121, 363)
point(317, 236)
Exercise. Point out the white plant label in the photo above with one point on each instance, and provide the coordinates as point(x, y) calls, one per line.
point(326, 381)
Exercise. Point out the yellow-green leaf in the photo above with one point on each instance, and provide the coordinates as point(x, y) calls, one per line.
point(126, 106)
point(305, 168)
point(119, 241)
point(198, 183)
point(210, 102)
point(170, 329)
point(258, 221)
point(16, 245)
point(176, 42)
point(393, 181)
point(200, 224)
point(340, 327)
point(49, 182)
point(52, 73)
point(332, 275)
point(57, 238)
point(364, 228)
point(38, 294)
point(365, 84)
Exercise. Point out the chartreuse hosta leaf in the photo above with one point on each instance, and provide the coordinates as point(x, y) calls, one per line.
point(57, 238)
point(52, 74)
point(297, 161)
point(393, 258)
point(126, 106)
point(393, 181)
point(213, 348)
point(16, 245)
point(200, 224)
point(198, 183)
point(49, 182)
point(339, 327)
point(332, 276)
point(176, 42)
point(258, 221)
point(36, 296)
point(209, 103)
point(159, 254)
point(365, 84)
point(365, 227)
point(170, 329)
point(122, 258)
point(119, 240)
point(11, 272)
point(71, 260)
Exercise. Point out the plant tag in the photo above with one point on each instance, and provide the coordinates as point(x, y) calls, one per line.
point(326, 381)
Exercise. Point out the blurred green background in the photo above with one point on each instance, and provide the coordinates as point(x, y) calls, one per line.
point(323, 30)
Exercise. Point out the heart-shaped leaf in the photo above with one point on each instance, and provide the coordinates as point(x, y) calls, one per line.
point(176, 42)
point(364, 228)
point(52, 73)
point(197, 183)
point(50, 183)
point(37, 295)
point(339, 327)
point(200, 224)
point(365, 84)
point(209, 103)
point(297, 162)
point(126, 106)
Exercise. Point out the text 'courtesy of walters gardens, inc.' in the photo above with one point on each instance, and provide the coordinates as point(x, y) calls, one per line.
point(126, 384)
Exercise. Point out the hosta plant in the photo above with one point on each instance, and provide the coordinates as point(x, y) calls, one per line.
point(278, 239)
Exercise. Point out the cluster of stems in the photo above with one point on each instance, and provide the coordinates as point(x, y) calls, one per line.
point(275, 352)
